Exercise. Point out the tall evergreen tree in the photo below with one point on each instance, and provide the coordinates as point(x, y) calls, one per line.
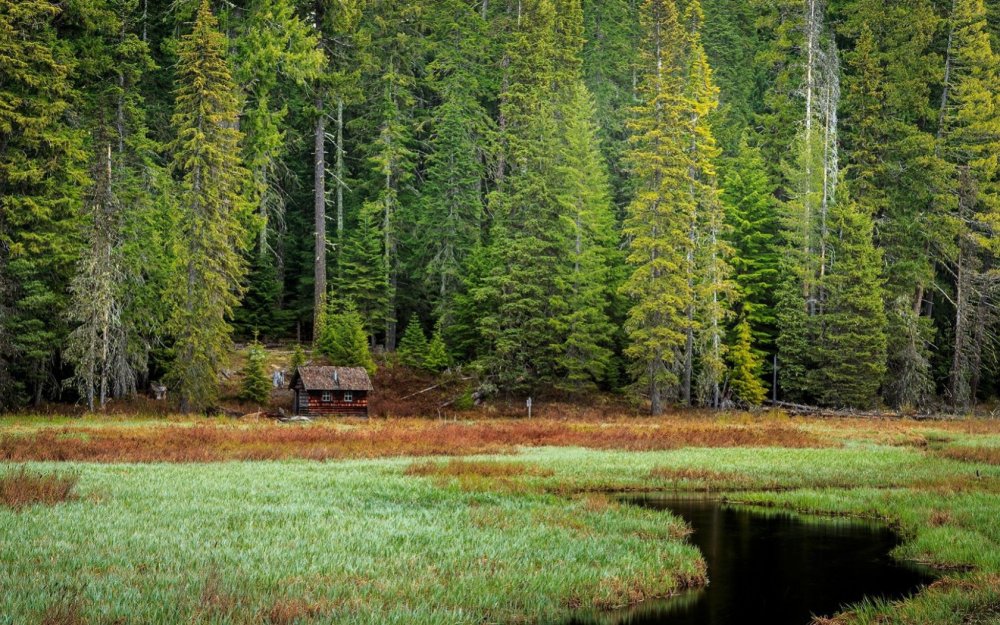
point(850, 354)
point(970, 142)
point(658, 220)
point(451, 217)
point(752, 215)
point(41, 175)
point(529, 237)
point(584, 194)
point(117, 267)
point(213, 210)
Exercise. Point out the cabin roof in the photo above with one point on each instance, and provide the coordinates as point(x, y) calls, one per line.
point(333, 379)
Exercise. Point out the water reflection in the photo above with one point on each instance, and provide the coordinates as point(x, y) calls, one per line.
point(774, 567)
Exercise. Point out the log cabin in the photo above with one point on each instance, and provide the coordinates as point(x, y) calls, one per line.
point(331, 391)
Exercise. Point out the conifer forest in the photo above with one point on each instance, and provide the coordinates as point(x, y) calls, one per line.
point(688, 202)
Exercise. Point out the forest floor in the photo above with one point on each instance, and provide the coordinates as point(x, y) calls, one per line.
point(214, 520)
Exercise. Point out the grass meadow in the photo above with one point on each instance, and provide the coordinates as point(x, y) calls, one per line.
point(493, 521)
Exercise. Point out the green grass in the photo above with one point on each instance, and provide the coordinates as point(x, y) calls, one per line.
point(344, 542)
point(365, 542)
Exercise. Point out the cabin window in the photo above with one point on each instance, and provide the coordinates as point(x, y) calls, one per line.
point(327, 396)
point(348, 396)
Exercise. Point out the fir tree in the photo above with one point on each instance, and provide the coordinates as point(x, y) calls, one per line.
point(343, 339)
point(745, 368)
point(212, 212)
point(436, 358)
point(586, 357)
point(850, 355)
point(970, 142)
point(752, 216)
point(255, 387)
point(298, 358)
point(450, 221)
point(658, 222)
point(413, 346)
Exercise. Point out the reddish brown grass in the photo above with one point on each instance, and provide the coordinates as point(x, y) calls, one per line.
point(20, 488)
point(208, 441)
point(980, 455)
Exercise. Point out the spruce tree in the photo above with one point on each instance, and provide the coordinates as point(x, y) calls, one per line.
point(364, 270)
point(894, 172)
point(413, 346)
point(745, 368)
point(712, 283)
point(211, 234)
point(528, 281)
point(343, 339)
point(255, 387)
point(451, 218)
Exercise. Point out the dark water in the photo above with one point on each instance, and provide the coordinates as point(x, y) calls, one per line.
point(775, 568)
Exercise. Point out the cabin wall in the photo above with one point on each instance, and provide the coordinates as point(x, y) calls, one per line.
point(314, 406)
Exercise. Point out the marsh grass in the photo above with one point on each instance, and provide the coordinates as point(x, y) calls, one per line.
point(21, 487)
point(206, 441)
point(975, 454)
point(526, 531)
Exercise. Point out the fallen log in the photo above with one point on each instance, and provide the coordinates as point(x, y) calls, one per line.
point(850, 413)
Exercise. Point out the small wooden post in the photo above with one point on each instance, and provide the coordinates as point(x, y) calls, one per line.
point(529, 407)
point(774, 383)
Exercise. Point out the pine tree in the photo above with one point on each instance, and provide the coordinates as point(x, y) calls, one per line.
point(212, 211)
point(413, 346)
point(41, 175)
point(436, 358)
point(658, 222)
point(255, 387)
point(343, 339)
point(745, 367)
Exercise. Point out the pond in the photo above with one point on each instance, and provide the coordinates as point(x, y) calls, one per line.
point(774, 567)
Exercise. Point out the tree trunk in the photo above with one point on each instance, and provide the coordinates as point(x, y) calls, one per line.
point(319, 210)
